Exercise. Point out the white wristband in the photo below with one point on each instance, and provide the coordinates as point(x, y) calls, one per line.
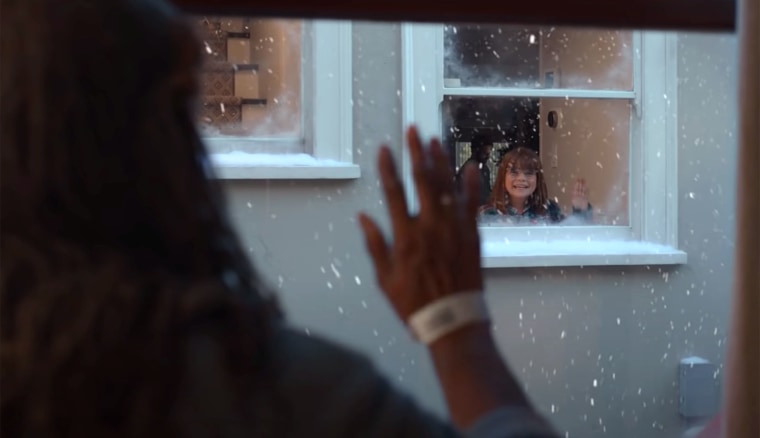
point(447, 314)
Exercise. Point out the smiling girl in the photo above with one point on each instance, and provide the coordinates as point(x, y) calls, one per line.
point(520, 194)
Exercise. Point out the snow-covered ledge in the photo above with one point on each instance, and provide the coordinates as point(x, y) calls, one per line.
point(244, 165)
point(545, 253)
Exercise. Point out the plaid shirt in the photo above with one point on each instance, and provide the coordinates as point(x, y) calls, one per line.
point(552, 215)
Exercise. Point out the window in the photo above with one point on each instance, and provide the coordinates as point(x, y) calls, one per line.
point(593, 104)
point(276, 97)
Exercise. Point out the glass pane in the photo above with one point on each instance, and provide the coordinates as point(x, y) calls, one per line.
point(479, 55)
point(597, 348)
point(251, 80)
point(572, 139)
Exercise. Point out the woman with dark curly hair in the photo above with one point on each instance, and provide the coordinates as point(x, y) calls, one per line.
point(128, 307)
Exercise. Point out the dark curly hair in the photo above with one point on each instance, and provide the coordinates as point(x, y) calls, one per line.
point(480, 141)
point(116, 247)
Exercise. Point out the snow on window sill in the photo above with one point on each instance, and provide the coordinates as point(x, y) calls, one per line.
point(243, 165)
point(546, 253)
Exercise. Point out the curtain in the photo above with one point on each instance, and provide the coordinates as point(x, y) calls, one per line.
point(741, 404)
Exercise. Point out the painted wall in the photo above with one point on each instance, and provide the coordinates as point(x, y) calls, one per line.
point(597, 348)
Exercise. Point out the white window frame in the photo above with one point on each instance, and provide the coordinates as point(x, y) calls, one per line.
point(327, 119)
point(652, 236)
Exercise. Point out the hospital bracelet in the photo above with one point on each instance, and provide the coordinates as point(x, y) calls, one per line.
point(446, 315)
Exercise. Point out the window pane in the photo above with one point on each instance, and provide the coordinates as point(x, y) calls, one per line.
point(251, 81)
point(574, 139)
point(597, 348)
point(478, 55)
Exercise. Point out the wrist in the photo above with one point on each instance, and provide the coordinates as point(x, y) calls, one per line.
point(472, 338)
point(447, 315)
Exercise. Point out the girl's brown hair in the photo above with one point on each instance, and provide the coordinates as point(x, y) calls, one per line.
point(116, 246)
point(520, 158)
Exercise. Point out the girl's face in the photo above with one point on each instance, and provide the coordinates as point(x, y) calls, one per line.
point(520, 184)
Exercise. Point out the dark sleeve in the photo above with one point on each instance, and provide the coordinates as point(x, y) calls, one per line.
point(458, 176)
point(351, 397)
point(355, 400)
point(554, 212)
point(322, 389)
point(316, 389)
point(511, 422)
point(587, 214)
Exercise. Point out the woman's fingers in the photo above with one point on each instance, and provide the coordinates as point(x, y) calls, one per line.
point(467, 258)
point(421, 172)
point(377, 247)
point(394, 193)
point(471, 193)
point(435, 252)
point(444, 177)
point(433, 177)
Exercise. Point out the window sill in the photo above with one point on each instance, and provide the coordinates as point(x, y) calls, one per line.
point(578, 253)
point(242, 165)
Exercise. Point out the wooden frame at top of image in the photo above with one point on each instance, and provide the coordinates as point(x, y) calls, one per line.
point(695, 15)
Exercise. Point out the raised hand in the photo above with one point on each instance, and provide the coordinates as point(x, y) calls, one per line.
point(436, 252)
point(580, 195)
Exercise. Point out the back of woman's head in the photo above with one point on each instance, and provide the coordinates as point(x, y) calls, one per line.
point(111, 220)
point(98, 140)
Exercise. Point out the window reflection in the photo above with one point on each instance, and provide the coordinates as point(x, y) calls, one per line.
point(598, 346)
point(251, 81)
point(482, 55)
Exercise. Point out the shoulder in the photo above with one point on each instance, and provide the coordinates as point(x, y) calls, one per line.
point(300, 364)
point(464, 165)
point(307, 359)
point(320, 388)
point(348, 391)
